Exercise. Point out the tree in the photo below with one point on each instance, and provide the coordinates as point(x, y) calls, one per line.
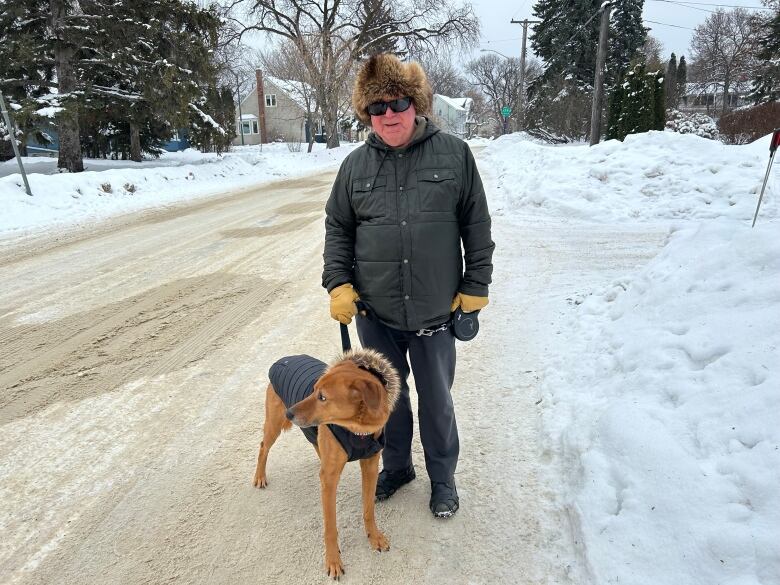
point(651, 51)
point(444, 77)
point(627, 36)
point(671, 82)
point(723, 51)
point(681, 79)
point(499, 79)
point(637, 104)
point(766, 85)
point(566, 39)
point(332, 36)
point(282, 63)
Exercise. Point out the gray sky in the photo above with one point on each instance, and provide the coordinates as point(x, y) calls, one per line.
point(498, 34)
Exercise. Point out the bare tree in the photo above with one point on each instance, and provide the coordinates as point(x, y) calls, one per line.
point(499, 80)
point(723, 50)
point(444, 77)
point(652, 50)
point(330, 36)
point(282, 63)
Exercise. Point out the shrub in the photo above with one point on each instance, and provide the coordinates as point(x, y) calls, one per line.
point(698, 124)
point(749, 124)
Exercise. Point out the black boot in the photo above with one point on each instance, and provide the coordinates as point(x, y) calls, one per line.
point(389, 481)
point(444, 498)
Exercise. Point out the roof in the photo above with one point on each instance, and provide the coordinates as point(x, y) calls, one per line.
point(295, 90)
point(459, 103)
point(248, 117)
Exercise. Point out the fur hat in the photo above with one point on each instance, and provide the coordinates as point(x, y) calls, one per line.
point(384, 75)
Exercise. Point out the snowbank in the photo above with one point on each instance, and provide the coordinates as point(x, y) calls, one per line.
point(664, 409)
point(654, 176)
point(121, 186)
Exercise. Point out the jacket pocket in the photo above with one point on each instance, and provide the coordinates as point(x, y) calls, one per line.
point(438, 190)
point(368, 197)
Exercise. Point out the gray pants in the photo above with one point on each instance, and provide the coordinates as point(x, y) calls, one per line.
point(433, 364)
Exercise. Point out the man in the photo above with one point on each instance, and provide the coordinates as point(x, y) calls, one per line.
point(401, 205)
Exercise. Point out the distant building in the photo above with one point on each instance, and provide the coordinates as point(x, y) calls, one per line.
point(707, 97)
point(451, 114)
point(275, 111)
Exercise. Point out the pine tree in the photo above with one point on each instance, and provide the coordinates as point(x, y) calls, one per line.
point(656, 81)
point(681, 78)
point(562, 39)
point(671, 82)
point(627, 35)
point(766, 86)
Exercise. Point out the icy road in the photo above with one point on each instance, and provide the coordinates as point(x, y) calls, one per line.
point(133, 358)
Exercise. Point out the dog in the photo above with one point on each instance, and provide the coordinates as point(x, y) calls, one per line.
point(342, 410)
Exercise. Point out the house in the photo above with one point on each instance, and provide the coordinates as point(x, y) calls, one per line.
point(707, 97)
point(451, 114)
point(275, 111)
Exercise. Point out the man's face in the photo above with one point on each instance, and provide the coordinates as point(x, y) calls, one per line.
point(394, 128)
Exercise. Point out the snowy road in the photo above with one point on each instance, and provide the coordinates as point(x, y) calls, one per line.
point(132, 364)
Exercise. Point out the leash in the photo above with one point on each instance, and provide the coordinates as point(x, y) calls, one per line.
point(345, 343)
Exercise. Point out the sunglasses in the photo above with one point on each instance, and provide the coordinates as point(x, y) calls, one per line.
point(399, 105)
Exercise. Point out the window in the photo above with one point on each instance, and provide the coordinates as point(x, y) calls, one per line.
point(254, 127)
point(270, 100)
point(246, 128)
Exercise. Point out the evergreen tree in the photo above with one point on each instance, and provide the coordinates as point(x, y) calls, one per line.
point(627, 35)
point(638, 103)
point(24, 77)
point(681, 78)
point(671, 82)
point(565, 42)
point(766, 86)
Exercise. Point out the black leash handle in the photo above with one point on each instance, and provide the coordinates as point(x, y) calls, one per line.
point(346, 345)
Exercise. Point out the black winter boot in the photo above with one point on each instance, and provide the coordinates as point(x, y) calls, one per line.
point(444, 498)
point(389, 481)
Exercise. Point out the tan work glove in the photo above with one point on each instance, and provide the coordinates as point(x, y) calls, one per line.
point(342, 303)
point(468, 303)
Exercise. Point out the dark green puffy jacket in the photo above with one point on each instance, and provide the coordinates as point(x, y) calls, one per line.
point(394, 224)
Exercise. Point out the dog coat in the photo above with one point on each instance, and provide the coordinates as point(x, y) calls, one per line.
point(293, 379)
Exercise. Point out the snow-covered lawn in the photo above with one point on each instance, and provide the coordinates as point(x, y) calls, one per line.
point(109, 188)
point(661, 403)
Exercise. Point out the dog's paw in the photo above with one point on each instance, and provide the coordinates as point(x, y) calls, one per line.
point(260, 481)
point(334, 567)
point(379, 542)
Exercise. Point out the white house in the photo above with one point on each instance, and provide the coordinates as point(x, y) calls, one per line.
point(708, 96)
point(451, 114)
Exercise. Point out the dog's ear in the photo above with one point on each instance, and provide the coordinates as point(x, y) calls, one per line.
point(370, 391)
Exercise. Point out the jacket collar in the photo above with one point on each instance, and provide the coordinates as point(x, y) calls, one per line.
point(429, 130)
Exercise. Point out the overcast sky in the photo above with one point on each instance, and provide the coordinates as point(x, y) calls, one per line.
point(498, 34)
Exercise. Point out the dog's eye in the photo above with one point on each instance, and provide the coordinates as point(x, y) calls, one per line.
point(321, 397)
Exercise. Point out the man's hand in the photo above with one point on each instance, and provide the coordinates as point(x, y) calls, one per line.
point(468, 303)
point(342, 303)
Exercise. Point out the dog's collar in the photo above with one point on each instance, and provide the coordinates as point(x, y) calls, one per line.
point(375, 373)
point(362, 434)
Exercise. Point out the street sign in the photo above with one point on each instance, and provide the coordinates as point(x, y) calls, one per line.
point(506, 111)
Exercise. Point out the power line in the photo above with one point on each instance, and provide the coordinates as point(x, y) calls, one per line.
point(665, 24)
point(500, 41)
point(720, 5)
point(686, 5)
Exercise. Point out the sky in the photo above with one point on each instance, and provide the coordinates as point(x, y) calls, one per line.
point(499, 34)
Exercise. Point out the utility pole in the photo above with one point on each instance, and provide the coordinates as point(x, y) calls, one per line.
point(240, 115)
point(525, 24)
point(12, 135)
point(598, 82)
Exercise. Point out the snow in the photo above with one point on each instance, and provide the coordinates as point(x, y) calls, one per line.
point(49, 111)
point(660, 400)
point(649, 177)
point(108, 188)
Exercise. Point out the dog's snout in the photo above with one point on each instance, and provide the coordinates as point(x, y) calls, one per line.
point(289, 414)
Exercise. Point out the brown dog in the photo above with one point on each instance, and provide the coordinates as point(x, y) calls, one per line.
point(348, 403)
